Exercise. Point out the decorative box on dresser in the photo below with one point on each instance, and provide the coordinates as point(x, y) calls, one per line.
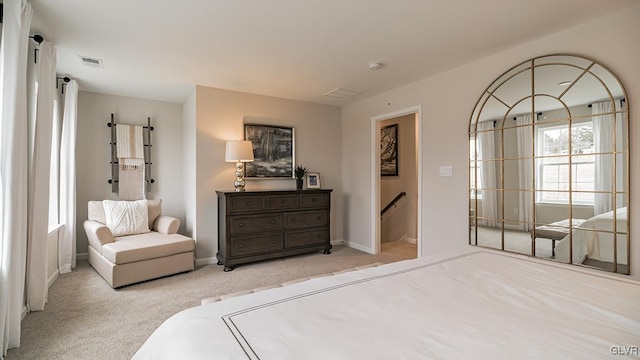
point(260, 225)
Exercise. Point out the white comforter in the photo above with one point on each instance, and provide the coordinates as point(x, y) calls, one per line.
point(596, 244)
point(477, 306)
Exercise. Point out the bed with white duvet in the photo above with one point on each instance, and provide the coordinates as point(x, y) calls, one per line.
point(478, 305)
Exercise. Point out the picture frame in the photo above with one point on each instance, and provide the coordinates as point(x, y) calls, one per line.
point(273, 151)
point(389, 150)
point(313, 180)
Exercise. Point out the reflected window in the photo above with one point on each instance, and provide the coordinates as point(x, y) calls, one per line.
point(559, 173)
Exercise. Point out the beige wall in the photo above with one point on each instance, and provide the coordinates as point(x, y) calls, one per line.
point(93, 152)
point(401, 221)
point(448, 100)
point(189, 161)
point(219, 117)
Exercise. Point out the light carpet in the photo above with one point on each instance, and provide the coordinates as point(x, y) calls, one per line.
point(86, 319)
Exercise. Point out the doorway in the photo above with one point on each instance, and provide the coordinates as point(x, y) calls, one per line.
point(396, 179)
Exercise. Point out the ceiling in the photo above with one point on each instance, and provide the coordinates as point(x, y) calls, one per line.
point(158, 49)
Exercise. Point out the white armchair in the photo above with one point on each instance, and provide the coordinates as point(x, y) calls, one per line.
point(153, 252)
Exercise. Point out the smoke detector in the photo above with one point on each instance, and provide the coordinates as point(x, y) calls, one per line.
point(374, 65)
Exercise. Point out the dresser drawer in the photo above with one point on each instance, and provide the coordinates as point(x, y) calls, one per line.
point(282, 202)
point(314, 200)
point(304, 238)
point(246, 203)
point(254, 223)
point(255, 244)
point(302, 219)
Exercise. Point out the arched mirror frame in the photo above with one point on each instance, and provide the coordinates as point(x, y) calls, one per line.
point(534, 99)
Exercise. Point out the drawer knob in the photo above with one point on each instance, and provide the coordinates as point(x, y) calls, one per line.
point(283, 201)
point(318, 235)
point(241, 245)
point(293, 238)
point(273, 222)
point(241, 224)
point(248, 203)
point(273, 241)
point(293, 219)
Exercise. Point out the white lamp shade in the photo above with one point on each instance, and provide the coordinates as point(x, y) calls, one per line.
point(239, 151)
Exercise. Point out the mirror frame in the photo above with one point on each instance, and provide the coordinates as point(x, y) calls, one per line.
point(586, 69)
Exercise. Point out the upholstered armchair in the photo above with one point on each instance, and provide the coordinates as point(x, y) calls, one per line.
point(130, 242)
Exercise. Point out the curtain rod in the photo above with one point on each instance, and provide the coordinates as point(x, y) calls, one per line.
point(623, 99)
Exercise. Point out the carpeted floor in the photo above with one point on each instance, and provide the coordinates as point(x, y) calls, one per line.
point(86, 319)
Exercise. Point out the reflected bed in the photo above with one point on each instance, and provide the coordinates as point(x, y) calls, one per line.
point(593, 239)
point(477, 305)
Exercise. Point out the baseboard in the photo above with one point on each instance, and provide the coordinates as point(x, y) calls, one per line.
point(207, 261)
point(363, 248)
point(410, 240)
point(53, 278)
point(24, 312)
point(337, 242)
point(83, 256)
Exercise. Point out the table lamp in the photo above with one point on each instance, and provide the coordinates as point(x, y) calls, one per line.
point(239, 152)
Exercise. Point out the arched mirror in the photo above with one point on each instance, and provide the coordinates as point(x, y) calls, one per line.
point(549, 164)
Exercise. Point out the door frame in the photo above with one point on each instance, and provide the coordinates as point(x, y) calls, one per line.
point(375, 173)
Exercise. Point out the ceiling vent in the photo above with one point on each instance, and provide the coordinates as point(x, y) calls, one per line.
point(93, 62)
point(341, 93)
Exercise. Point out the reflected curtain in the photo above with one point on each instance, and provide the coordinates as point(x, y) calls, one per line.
point(525, 147)
point(40, 130)
point(603, 136)
point(486, 142)
point(67, 245)
point(13, 168)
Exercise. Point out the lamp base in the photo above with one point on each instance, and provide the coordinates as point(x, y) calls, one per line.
point(239, 183)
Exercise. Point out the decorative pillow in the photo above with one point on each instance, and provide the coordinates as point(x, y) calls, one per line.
point(126, 217)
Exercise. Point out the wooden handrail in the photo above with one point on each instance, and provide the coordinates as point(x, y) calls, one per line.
point(393, 202)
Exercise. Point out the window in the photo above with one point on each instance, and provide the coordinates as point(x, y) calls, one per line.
point(553, 164)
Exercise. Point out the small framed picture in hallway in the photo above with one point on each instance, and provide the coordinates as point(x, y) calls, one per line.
point(389, 150)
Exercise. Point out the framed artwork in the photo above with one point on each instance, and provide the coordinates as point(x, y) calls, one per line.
point(273, 149)
point(389, 150)
point(313, 180)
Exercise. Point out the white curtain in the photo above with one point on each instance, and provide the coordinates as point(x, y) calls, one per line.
point(525, 167)
point(67, 245)
point(13, 169)
point(486, 142)
point(603, 134)
point(40, 130)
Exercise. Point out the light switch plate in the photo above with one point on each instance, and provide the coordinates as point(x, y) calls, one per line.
point(446, 170)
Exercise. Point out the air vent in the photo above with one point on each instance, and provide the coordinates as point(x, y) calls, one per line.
point(341, 93)
point(89, 61)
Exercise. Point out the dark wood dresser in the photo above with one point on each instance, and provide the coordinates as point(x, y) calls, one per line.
point(260, 225)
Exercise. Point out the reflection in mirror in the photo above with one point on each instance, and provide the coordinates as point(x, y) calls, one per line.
point(549, 164)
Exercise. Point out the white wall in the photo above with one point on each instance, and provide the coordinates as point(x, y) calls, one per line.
point(219, 117)
point(448, 100)
point(93, 152)
point(189, 162)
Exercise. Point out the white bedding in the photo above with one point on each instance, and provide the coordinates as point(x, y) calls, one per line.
point(596, 245)
point(481, 305)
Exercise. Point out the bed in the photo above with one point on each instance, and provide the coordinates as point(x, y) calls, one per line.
point(476, 305)
point(593, 239)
